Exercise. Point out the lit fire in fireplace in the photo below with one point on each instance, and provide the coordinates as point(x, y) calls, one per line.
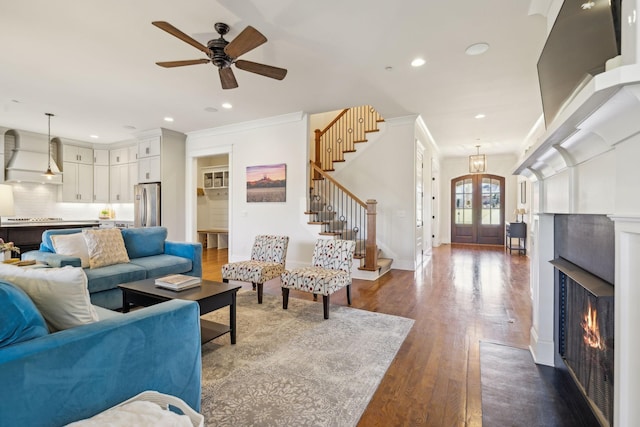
point(591, 330)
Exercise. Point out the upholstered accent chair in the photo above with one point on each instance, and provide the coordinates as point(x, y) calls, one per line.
point(330, 270)
point(268, 257)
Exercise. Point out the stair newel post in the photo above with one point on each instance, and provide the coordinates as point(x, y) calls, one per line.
point(318, 162)
point(371, 251)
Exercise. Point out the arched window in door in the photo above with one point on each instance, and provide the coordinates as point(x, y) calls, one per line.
point(477, 209)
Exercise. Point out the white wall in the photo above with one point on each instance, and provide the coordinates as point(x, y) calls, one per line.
point(452, 167)
point(281, 139)
point(627, 177)
point(385, 172)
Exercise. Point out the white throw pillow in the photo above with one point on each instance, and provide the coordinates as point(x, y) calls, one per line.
point(60, 294)
point(72, 245)
point(137, 413)
point(106, 247)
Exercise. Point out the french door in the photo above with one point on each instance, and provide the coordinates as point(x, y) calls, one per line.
point(477, 209)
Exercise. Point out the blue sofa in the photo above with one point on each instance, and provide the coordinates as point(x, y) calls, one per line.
point(150, 254)
point(51, 379)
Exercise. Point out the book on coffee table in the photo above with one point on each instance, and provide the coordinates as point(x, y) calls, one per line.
point(178, 282)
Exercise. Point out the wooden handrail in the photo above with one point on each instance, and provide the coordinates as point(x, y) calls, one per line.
point(333, 122)
point(337, 184)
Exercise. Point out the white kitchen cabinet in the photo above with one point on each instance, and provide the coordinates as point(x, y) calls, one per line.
point(101, 157)
point(123, 173)
point(118, 183)
point(149, 169)
point(161, 154)
point(77, 178)
point(76, 154)
point(119, 156)
point(149, 147)
point(101, 182)
point(133, 180)
point(149, 159)
point(77, 185)
point(101, 176)
point(132, 153)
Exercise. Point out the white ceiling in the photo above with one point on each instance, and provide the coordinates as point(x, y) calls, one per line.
point(92, 64)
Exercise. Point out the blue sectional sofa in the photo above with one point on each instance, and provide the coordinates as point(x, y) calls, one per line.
point(51, 379)
point(150, 255)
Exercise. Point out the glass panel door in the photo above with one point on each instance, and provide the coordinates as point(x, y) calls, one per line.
point(477, 209)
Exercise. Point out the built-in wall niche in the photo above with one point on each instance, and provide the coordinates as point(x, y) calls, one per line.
point(213, 194)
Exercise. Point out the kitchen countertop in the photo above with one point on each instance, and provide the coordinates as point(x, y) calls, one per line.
point(11, 224)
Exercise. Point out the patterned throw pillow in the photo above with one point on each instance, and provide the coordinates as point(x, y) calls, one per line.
point(106, 247)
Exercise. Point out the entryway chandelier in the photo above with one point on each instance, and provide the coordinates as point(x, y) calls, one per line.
point(477, 162)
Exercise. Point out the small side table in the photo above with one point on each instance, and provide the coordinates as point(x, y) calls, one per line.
point(516, 230)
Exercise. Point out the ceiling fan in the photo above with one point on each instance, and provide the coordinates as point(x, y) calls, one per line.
point(223, 53)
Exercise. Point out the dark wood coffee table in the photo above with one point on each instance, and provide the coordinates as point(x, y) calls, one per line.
point(209, 295)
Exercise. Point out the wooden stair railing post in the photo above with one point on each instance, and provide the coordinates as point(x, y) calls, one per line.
point(371, 251)
point(318, 162)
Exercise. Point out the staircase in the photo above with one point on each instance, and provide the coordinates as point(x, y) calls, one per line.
point(340, 213)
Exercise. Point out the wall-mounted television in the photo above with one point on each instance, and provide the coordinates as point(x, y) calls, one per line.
point(584, 36)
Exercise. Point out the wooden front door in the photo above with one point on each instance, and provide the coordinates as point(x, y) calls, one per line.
point(477, 209)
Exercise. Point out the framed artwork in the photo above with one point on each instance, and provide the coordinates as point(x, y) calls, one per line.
point(267, 183)
point(523, 192)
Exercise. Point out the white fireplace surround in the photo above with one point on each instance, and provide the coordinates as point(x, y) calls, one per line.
point(586, 162)
point(627, 314)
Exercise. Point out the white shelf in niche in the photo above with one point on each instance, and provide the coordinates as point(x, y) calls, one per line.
point(214, 178)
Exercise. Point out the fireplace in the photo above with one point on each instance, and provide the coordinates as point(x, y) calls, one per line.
point(584, 261)
point(586, 328)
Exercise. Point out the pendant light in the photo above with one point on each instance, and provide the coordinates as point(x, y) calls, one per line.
point(49, 174)
point(477, 162)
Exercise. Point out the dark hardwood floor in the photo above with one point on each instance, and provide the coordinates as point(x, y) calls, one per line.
point(463, 294)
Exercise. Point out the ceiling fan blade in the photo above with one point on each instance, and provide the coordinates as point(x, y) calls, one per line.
point(262, 69)
point(182, 36)
point(248, 39)
point(227, 78)
point(169, 64)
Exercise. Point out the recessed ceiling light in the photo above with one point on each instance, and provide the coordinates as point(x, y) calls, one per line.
point(211, 110)
point(480, 116)
point(129, 127)
point(227, 105)
point(389, 68)
point(477, 49)
point(168, 119)
point(94, 136)
point(418, 62)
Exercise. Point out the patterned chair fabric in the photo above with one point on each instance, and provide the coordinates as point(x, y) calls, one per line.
point(268, 257)
point(330, 270)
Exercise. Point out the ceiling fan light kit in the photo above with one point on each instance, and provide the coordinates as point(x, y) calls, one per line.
point(223, 54)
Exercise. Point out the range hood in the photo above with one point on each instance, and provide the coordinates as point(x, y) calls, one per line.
point(30, 159)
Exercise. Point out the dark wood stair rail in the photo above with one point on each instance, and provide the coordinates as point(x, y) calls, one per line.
point(371, 250)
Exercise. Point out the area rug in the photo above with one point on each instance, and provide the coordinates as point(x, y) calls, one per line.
point(293, 368)
point(517, 392)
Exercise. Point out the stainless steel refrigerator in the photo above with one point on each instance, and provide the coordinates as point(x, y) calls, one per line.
point(146, 208)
